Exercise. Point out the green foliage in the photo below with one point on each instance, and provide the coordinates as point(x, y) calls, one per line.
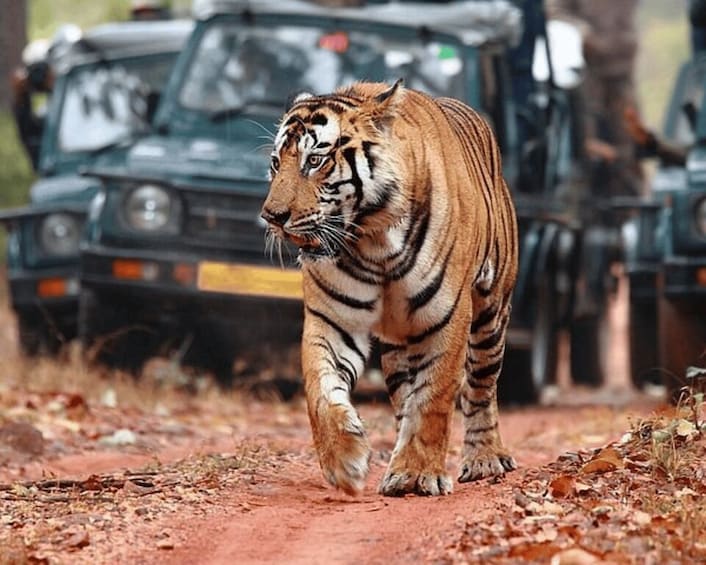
point(664, 45)
point(16, 173)
point(46, 16)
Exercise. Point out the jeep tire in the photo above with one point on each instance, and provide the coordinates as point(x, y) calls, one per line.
point(642, 332)
point(36, 334)
point(589, 349)
point(108, 334)
point(682, 342)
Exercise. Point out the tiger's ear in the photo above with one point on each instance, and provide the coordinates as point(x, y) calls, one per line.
point(385, 103)
point(296, 98)
point(389, 94)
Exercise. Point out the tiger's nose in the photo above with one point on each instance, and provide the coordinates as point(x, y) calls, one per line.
point(275, 218)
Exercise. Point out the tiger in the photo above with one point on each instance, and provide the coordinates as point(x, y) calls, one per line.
point(406, 233)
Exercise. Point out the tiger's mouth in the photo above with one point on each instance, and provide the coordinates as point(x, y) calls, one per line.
point(311, 247)
point(308, 252)
point(300, 240)
point(315, 242)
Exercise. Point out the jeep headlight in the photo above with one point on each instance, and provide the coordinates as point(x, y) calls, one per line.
point(151, 208)
point(59, 234)
point(700, 210)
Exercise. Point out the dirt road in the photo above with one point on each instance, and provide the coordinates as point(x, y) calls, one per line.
point(231, 480)
point(125, 472)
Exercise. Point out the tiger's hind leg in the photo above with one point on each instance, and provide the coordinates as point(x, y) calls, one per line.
point(483, 451)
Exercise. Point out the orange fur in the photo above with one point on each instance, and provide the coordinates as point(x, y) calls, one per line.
point(408, 233)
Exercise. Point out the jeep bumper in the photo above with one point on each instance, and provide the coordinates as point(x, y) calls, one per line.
point(683, 279)
point(174, 292)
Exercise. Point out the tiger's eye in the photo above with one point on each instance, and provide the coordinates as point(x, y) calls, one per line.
point(314, 160)
point(275, 163)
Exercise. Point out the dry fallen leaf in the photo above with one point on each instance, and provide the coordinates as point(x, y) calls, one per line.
point(93, 482)
point(607, 460)
point(685, 428)
point(598, 466)
point(533, 551)
point(562, 486)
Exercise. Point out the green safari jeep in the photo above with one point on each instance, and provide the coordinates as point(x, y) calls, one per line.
point(174, 254)
point(107, 84)
point(666, 248)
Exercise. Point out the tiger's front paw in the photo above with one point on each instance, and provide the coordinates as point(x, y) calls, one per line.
point(399, 483)
point(344, 451)
point(484, 463)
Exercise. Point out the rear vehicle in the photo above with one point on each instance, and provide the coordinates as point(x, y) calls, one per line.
point(666, 244)
point(106, 87)
point(175, 256)
point(175, 244)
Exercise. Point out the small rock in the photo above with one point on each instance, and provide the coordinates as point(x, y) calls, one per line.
point(22, 437)
point(642, 518)
point(521, 499)
point(109, 399)
point(119, 437)
point(130, 487)
point(602, 510)
point(78, 540)
point(165, 544)
point(574, 556)
point(55, 407)
point(571, 456)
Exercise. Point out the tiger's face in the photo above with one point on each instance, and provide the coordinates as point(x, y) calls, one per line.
point(328, 177)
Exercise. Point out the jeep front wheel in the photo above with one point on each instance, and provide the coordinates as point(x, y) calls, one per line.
point(37, 335)
point(643, 342)
point(589, 349)
point(682, 342)
point(109, 334)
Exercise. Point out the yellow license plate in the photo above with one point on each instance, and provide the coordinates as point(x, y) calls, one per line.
point(249, 280)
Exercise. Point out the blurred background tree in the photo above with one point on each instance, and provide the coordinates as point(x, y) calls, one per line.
point(13, 36)
point(664, 45)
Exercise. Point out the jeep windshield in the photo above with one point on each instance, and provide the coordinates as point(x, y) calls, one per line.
point(241, 69)
point(106, 103)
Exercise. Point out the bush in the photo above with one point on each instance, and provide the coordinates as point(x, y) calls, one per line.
point(16, 173)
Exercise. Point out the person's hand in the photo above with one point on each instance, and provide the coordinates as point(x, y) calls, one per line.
point(20, 82)
point(597, 46)
point(600, 150)
point(635, 128)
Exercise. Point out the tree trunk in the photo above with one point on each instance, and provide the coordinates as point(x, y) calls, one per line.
point(13, 37)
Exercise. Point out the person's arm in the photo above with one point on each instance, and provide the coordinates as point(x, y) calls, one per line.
point(567, 11)
point(29, 126)
point(650, 145)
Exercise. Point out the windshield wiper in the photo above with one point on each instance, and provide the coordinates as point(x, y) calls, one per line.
point(245, 108)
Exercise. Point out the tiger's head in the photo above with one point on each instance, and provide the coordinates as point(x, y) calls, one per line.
point(333, 170)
